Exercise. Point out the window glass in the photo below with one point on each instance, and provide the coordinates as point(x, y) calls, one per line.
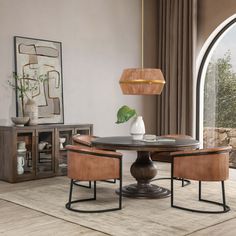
point(219, 103)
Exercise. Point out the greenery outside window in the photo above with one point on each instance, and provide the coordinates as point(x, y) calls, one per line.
point(218, 106)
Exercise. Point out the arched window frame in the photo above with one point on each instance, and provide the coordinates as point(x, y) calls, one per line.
point(210, 44)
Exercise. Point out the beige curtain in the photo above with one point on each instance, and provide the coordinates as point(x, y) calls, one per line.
point(176, 58)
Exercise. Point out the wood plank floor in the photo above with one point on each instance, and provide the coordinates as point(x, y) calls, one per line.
point(227, 228)
point(18, 220)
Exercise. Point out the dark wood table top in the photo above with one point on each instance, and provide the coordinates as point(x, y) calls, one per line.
point(161, 144)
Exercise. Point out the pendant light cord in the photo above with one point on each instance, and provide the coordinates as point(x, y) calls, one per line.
point(142, 34)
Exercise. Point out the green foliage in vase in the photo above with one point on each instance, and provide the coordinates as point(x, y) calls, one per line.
point(25, 86)
point(124, 114)
point(220, 94)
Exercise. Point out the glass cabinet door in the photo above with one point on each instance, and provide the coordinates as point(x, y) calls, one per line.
point(64, 138)
point(45, 161)
point(83, 130)
point(25, 161)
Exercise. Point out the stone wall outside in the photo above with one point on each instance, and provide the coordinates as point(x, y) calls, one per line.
point(213, 137)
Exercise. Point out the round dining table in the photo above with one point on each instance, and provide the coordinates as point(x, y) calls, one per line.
point(144, 169)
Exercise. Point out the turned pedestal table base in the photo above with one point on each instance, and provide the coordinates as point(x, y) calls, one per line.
point(144, 170)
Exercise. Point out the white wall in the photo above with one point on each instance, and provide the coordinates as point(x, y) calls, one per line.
point(99, 38)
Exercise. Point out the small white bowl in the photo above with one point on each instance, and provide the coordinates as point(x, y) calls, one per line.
point(149, 137)
point(20, 121)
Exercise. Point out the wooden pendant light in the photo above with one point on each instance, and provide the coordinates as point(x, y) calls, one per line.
point(142, 81)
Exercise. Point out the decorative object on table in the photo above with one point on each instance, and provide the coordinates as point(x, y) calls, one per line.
point(150, 138)
point(39, 65)
point(62, 140)
point(20, 121)
point(137, 128)
point(124, 114)
point(140, 81)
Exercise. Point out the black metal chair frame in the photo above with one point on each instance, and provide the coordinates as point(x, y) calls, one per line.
point(184, 182)
point(90, 183)
point(226, 208)
point(82, 185)
point(75, 182)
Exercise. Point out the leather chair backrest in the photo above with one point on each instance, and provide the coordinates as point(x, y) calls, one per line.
point(92, 164)
point(203, 165)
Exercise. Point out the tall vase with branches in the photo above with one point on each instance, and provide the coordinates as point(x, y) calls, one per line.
point(25, 87)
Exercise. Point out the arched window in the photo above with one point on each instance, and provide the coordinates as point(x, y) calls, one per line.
point(216, 95)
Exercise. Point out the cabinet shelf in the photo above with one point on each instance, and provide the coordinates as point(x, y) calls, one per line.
point(45, 151)
point(25, 173)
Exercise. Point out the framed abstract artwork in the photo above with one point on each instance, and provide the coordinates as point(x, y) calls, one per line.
point(38, 64)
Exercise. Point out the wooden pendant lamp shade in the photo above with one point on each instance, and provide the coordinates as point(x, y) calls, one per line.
point(140, 81)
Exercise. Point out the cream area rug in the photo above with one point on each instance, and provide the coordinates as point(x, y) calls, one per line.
point(138, 216)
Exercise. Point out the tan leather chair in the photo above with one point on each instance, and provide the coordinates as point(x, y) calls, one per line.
point(210, 164)
point(85, 141)
point(93, 165)
point(166, 157)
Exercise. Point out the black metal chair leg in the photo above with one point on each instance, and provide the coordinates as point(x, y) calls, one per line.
point(94, 190)
point(109, 181)
point(90, 183)
point(120, 186)
point(223, 195)
point(200, 190)
point(70, 194)
point(172, 185)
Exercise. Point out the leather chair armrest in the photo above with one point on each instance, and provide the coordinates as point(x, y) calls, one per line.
point(95, 152)
point(199, 152)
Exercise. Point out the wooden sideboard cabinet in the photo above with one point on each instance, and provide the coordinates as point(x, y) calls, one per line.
point(34, 152)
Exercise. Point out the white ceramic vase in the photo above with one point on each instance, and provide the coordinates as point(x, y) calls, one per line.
point(20, 164)
point(137, 128)
point(31, 110)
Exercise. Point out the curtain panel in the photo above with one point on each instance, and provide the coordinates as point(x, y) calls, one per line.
point(176, 40)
